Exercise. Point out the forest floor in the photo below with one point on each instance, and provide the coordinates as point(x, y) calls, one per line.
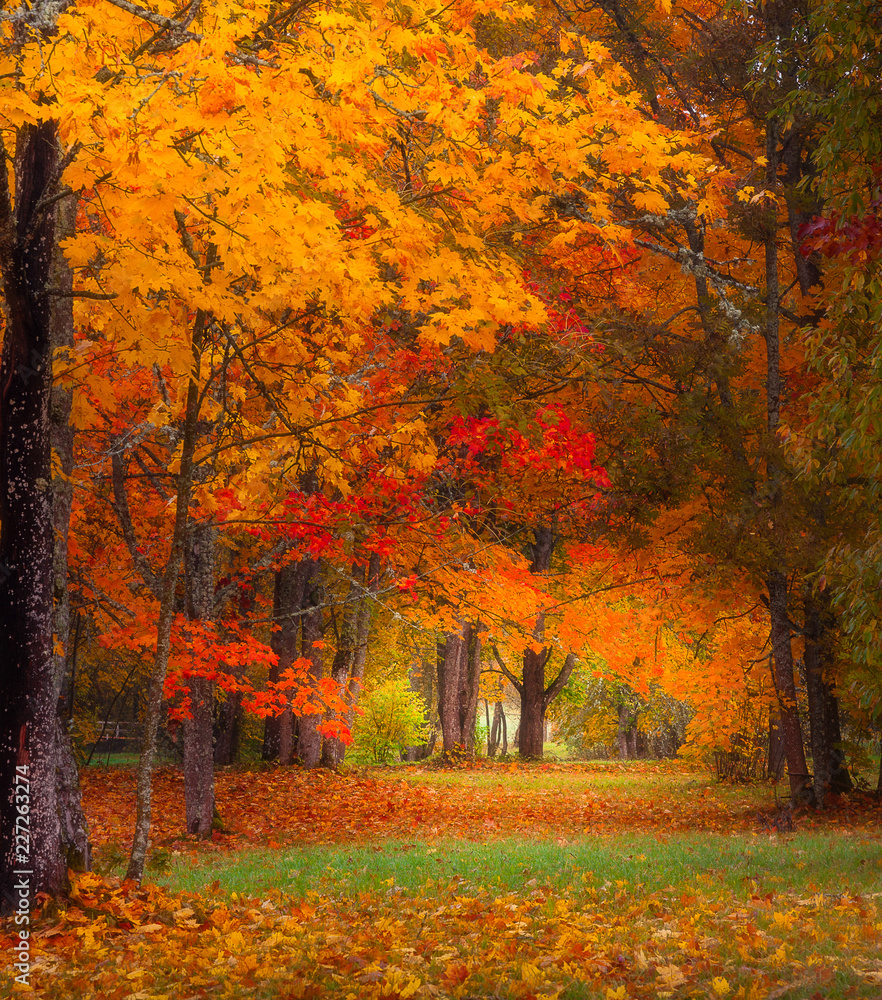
point(502, 880)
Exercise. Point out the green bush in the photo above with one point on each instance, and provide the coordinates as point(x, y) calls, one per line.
point(394, 718)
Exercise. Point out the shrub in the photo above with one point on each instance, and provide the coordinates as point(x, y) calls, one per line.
point(394, 717)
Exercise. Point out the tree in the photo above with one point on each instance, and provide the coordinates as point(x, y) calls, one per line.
point(702, 364)
point(28, 724)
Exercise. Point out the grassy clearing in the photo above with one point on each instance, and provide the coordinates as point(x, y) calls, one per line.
point(744, 865)
point(540, 882)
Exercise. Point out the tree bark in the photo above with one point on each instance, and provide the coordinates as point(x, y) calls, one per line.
point(785, 686)
point(75, 845)
point(226, 740)
point(829, 772)
point(28, 697)
point(333, 749)
point(309, 740)
point(140, 844)
point(452, 669)
point(459, 681)
point(198, 729)
point(532, 730)
point(290, 582)
point(626, 734)
point(349, 661)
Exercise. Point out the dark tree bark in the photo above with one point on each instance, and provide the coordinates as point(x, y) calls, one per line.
point(532, 692)
point(309, 740)
point(198, 729)
point(75, 845)
point(288, 590)
point(498, 731)
point(829, 772)
point(228, 730)
point(776, 758)
point(333, 750)
point(785, 686)
point(28, 697)
point(452, 678)
point(879, 779)
point(531, 731)
point(459, 680)
point(627, 732)
point(535, 696)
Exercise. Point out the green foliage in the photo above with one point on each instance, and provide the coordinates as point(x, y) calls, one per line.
point(394, 717)
point(587, 716)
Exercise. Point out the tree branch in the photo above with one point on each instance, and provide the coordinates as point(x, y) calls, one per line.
point(519, 687)
point(124, 516)
point(170, 24)
point(559, 682)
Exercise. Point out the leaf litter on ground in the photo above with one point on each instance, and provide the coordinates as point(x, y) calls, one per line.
point(576, 936)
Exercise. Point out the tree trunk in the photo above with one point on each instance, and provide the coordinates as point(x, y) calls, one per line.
point(830, 774)
point(785, 686)
point(775, 759)
point(138, 857)
point(227, 735)
point(470, 685)
point(309, 740)
point(28, 696)
point(625, 734)
point(290, 581)
point(532, 702)
point(455, 683)
point(532, 689)
point(422, 680)
point(198, 729)
point(333, 750)
point(494, 737)
point(349, 661)
point(879, 779)
point(75, 845)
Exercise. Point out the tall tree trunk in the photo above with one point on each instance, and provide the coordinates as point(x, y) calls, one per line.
point(532, 729)
point(290, 580)
point(198, 729)
point(349, 661)
point(785, 686)
point(356, 680)
point(782, 652)
point(75, 845)
point(452, 682)
point(28, 696)
point(470, 685)
point(140, 844)
point(309, 740)
point(776, 757)
point(627, 729)
point(422, 680)
point(228, 730)
point(333, 749)
point(828, 768)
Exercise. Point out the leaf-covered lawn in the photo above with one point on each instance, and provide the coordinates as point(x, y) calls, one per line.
point(486, 883)
point(286, 805)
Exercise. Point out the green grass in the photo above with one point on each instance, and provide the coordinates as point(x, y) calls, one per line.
point(746, 865)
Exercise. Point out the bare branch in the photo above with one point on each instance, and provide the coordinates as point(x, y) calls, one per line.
point(519, 687)
point(124, 516)
point(160, 19)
